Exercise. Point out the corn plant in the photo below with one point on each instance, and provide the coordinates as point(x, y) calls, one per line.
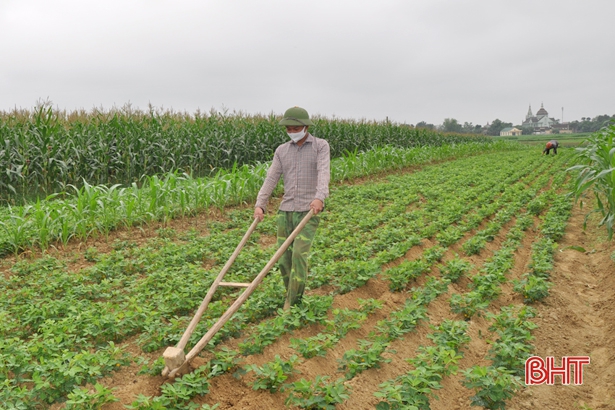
point(596, 170)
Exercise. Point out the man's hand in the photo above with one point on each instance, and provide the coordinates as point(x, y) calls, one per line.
point(259, 214)
point(316, 206)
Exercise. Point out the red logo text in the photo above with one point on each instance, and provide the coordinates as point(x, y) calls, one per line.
point(539, 371)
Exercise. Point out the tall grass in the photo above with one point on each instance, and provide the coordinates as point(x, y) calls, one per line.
point(45, 150)
point(596, 171)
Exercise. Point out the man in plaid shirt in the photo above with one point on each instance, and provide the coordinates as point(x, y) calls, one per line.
point(304, 164)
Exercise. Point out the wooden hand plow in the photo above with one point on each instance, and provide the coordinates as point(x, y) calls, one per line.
point(176, 362)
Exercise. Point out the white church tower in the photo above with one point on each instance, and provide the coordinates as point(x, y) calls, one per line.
point(529, 113)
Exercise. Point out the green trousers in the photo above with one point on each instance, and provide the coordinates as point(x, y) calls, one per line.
point(293, 263)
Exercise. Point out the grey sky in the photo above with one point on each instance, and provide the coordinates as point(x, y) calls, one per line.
point(413, 60)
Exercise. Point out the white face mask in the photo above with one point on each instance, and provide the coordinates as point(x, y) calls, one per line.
point(297, 136)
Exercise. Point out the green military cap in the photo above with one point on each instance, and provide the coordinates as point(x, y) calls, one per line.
point(296, 116)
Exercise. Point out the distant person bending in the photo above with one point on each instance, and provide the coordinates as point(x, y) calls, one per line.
point(551, 145)
point(304, 164)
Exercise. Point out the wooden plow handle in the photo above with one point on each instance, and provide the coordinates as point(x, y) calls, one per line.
point(210, 293)
point(242, 298)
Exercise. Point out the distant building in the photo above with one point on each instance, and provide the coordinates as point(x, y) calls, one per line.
point(510, 131)
point(539, 122)
point(563, 128)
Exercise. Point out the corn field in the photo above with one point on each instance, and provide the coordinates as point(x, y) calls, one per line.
point(46, 151)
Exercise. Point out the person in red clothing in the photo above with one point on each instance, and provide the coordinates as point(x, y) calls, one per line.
point(551, 145)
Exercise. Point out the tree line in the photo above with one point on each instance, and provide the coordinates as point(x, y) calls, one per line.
point(587, 124)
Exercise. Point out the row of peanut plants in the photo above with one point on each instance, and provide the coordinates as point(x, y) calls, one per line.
point(92, 210)
point(496, 383)
point(53, 319)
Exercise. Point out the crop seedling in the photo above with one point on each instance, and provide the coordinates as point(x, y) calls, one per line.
point(184, 389)
point(409, 391)
point(270, 376)
point(455, 268)
point(83, 399)
point(345, 320)
point(402, 274)
point(493, 386)
point(224, 361)
point(315, 345)
point(449, 236)
point(468, 304)
point(153, 369)
point(317, 395)
point(474, 245)
point(368, 355)
point(533, 288)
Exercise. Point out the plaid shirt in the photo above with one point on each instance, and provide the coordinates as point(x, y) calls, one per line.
point(306, 174)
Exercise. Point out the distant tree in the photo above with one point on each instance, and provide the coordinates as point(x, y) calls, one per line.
point(527, 130)
point(451, 125)
point(602, 121)
point(497, 126)
point(423, 124)
point(588, 124)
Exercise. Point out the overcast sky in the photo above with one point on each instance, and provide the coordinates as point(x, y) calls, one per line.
point(410, 61)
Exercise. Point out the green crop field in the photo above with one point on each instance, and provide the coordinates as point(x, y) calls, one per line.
point(565, 140)
point(427, 270)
